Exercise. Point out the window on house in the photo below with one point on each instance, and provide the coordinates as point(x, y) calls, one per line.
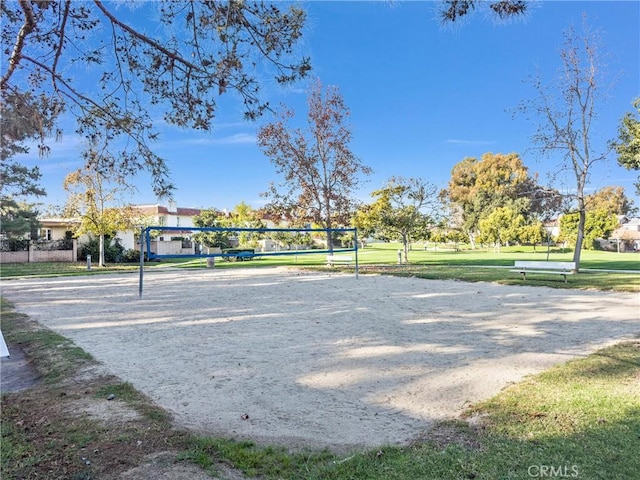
point(45, 234)
point(177, 221)
point(162, 221)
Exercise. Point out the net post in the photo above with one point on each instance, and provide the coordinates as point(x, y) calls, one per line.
point(355, 243)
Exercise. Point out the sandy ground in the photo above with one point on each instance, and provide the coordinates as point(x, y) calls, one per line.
point(316, 359)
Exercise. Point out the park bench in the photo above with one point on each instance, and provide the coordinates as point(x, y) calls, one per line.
point(340, 259)
point(553, 268)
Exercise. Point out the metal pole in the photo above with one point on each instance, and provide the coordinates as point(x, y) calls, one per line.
point(141, 261)
point(355, 238)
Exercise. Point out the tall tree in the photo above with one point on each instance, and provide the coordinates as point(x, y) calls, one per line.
point(18, 220)
point(611, 199)
point(17, 125)
point(319, 171)
point(599, 224)
point(244, 216)
point(628, 144)
point(213, 218)
point(501, 226)
point(60, 51)
point(565, 113)
point(17, 181)
point(477, 187)
point(405, 209)
point(98, 204)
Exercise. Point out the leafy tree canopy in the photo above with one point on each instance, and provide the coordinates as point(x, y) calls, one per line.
point(611, 199)
point(213, 218)
point(628, 144)
point(404, 209)
point(477, 187)
point(501, 226)
point(97, 61)
point(599, 223)
point(98, 205)
point(318, 169)
point(18, 219)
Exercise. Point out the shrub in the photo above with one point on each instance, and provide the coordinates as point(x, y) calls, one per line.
point(113, 249)
point(133, 256)
point(14, 244)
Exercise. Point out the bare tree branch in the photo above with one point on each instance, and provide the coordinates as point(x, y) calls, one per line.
point(27, 27)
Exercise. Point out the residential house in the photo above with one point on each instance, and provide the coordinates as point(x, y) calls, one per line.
point(156, 215)
point(168, 216)
point(56, 228)
point(169, 242)
point(627, 235)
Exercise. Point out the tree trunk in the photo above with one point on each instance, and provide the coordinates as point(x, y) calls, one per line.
point(580, 237)
point(472, 240)
point(101, 252)
point(329, 239)
point(405, 244)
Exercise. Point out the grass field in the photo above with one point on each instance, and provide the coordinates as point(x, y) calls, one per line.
point(599, 270)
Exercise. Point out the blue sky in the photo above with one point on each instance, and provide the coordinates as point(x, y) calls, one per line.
point(422, 98)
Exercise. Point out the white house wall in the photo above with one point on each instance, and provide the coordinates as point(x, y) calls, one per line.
point(127, 239)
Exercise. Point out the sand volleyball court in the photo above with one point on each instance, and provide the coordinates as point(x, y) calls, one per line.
point(320, 359)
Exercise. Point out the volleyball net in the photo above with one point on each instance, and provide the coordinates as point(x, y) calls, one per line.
point(338, 245)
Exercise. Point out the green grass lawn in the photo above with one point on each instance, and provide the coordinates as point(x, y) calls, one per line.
point(612, 270)
point(599, 270)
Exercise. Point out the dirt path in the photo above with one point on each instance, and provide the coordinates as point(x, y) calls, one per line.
point(317, 359)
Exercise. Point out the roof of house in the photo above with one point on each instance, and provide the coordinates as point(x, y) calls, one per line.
point(625, 234)
point(57, 222)
point(160, 209)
